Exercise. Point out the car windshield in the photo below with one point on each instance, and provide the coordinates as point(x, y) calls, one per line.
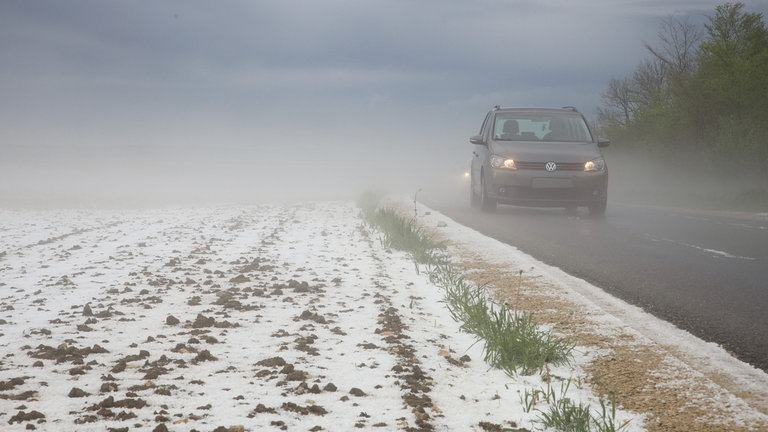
point(540, 127)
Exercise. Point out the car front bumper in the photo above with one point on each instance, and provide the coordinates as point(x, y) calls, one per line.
point(544, 189)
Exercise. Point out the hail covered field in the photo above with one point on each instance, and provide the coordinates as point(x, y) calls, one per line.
point(229, 318)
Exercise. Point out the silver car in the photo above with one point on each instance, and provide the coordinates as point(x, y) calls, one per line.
point(538, 157)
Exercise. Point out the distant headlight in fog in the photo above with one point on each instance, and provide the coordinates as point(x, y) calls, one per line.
point(595, 165)
point(466, 174)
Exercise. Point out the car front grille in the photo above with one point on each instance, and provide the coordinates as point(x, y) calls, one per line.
point(539, 166)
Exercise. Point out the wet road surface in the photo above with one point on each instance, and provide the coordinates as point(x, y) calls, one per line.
point(705, 272)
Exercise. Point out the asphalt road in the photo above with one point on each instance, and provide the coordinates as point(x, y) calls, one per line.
point(705, 272)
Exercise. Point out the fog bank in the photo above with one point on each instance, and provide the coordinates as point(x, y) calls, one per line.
point(129, 176)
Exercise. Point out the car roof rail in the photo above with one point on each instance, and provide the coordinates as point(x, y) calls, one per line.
point(571, 108)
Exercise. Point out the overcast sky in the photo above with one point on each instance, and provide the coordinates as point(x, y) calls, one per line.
point(264, 75)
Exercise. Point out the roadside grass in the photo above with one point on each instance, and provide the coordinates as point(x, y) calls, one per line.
point(512, 341)
point(398, 232)
point(563, 414)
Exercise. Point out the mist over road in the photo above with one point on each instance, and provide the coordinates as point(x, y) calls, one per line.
point(707, 273)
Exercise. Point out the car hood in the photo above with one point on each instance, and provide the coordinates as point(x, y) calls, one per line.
point(534, 151)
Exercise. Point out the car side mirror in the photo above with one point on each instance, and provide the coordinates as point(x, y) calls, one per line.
point(603, 142)
point(477, 139)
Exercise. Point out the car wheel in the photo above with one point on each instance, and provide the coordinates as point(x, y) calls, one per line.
point(598, 210)
point(474, 199)
point(486, 204)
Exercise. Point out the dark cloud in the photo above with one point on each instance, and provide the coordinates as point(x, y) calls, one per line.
point(328, 82)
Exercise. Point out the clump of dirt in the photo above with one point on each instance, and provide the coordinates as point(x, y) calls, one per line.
point(23, 416)
point(256, 265)
point(493, 427)
point(312, 316)
point(110, 402)
point(202, 356)
point(460, 362)
point(304, 410)
point(77, 393)
point(135, 357)
point(305, 344)
point(108, 387)
point(66, 353)
point(12, 383)
point(241, 278)
point(23, 396)
point(202, 321)
point(305, 388)
point(293, 374)
point(261, 409)
point(272, 362)
point(231, 299)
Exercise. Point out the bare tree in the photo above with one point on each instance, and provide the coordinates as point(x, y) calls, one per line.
point(619, 102)
point(679, 41)
point(650, 83)
point(657, 79)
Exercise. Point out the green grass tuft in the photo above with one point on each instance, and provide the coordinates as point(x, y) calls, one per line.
point(513, 341)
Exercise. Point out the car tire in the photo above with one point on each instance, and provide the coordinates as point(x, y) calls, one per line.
point(474, 199)
point(487, 204)
point(598, 210)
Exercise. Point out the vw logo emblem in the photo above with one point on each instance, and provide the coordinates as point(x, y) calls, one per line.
point(550, 166)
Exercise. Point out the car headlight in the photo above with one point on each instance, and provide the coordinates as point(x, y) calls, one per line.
point(502, 162)
point(595, 165)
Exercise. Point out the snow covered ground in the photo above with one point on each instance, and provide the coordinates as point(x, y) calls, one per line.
point(246, 318)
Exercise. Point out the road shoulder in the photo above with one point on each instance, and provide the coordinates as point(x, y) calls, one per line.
point(679, 381)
